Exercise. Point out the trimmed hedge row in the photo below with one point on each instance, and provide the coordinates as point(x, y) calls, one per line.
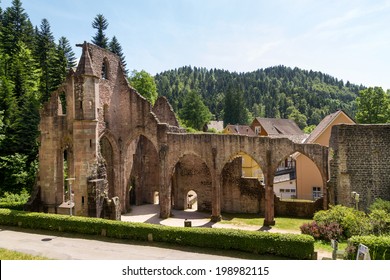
point(295, 246)
point(379, 246)
point(13, 205)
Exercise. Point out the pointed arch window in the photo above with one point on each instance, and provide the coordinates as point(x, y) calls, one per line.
point(105, 67)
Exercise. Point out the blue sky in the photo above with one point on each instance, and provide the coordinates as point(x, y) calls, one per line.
point(346, 39)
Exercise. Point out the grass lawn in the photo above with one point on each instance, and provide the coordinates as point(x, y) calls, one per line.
point(13, 255)
point(292, 224)
point(283, 223)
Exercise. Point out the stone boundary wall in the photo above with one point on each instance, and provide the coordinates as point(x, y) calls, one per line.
point(359, 162)
point(298, 209)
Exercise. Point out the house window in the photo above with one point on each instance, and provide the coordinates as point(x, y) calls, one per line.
point(257, 130)
point(317, 192)
point(105, 66)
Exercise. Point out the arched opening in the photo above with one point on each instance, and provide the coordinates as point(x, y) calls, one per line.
point(107, 153)
point(285, 178)
point(309, 180)
point(142, 167)
point(192, 185)
point(104, 71)
point(156, 198)
point(192, 201)
point(65, 172)
point(242, 185)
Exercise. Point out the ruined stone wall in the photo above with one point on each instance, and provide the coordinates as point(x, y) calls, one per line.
point(301, 209)
point(192, 174)
point(239, 194)
point(164, 112)
point(360, 157)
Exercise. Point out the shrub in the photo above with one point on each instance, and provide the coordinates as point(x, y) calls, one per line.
point(380, 204)
point(322, 231)
point(351, 221)
point(379, 246)
point(294, 246)
point(380, 222)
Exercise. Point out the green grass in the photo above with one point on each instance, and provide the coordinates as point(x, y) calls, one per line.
point(325, 245)
point(13, 255)
point(292, 224)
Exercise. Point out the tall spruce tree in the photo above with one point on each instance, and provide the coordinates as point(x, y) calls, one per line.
point(116, 48)
point(66, 50)
point(51, 60)
point(100, 23)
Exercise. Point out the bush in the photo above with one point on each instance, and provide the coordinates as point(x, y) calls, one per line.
point(380, 204)
point(352, 222)
point(322, 231)
point(380, 222)
point(294, 246)
point(379, 246)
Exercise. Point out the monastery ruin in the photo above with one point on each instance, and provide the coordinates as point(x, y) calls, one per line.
point(121, 150)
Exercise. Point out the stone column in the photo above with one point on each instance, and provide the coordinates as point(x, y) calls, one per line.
point(165, 185)
point(216, 192)
point(216, 189)
point(269, 211)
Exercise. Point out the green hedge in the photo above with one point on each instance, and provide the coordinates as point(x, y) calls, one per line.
point(295, 246)
point(379, 246)
point(13, 205)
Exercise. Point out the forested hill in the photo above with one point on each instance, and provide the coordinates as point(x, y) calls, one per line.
point(280, 91)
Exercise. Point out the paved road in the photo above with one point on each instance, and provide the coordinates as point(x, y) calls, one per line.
point(65, 246)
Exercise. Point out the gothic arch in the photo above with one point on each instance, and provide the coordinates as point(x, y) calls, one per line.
point(191, 173)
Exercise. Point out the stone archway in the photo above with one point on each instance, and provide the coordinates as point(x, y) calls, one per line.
point(142, 172)
point(191, 174)
point(242, 185)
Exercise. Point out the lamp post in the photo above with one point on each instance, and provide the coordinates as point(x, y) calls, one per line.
point(70, 180)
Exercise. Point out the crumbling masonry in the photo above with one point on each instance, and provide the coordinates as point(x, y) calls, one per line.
point(121, 150)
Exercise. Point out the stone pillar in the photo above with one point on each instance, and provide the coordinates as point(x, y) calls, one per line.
point(216, 191)
point(165, 184)
point(269, 211)
point(216, 188)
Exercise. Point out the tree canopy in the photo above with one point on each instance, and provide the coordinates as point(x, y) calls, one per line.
point(373, 106)
point(32, 65)
point(144, 83)
point(100, 39)
point(275, 92)
point(194, 113)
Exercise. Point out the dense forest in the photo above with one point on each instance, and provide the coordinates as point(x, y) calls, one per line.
point(275, 92)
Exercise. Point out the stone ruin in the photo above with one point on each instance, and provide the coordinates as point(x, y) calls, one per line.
point(121, 150)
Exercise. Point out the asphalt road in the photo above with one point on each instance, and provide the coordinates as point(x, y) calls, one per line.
point(65, 246)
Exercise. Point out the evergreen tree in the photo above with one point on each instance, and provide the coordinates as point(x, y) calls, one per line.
point(51, 61)
point(100, 23)
point(66, 50)
point(116, 48)
point(194, 113)
point(16, 27)
point(235, 111)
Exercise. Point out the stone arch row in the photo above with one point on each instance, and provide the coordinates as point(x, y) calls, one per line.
point(217, 150)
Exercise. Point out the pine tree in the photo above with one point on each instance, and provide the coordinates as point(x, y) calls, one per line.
point(66, 49)
point(116, 48)
point(16, 27)
point(194, 113)
point(100, 23)
point(48, 58)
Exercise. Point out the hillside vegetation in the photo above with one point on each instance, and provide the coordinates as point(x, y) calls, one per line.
point(273, 92)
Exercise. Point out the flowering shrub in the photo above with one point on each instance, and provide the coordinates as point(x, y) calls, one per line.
point(322, 231)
